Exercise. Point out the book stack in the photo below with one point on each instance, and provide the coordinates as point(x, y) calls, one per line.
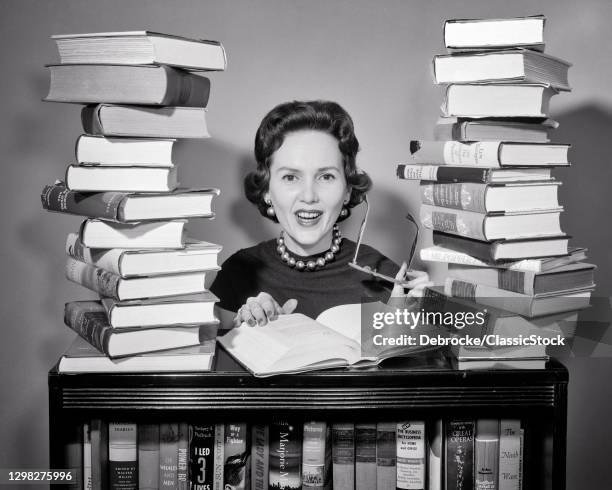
point(459, 453)
point(486, 186)
point(141, 93)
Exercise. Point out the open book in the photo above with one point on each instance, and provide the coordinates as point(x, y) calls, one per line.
point(296, 343)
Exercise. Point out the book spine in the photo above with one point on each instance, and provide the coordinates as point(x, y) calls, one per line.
point(104, 205)
point(260, 455)
point(109, 260)
point(87, 479)
point(91, 325)
point(316, 455)
point(182, 474)
point(201, 456)
point(365, 456)
point(185, 89)
point(285, 456)
point(122, 456)
point(509, 454)
point(73, 453)
point(99, 454)
point(474, 154)
point(457, 222)
point(386, 456)
point(435, 448)
point(168, 456)
point(148, 456)
point(459, 455)
point(103, 282)
point(219, 458)
point(237, 463)
point(508, 280)
point(466, 196)
point(443, 174)
point(486, 454)
point(484, 251)
point(343, 456)
point(411, 455)
point(90, 119)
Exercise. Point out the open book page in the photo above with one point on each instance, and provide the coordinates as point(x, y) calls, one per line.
point(344, 319)
point(292, 343)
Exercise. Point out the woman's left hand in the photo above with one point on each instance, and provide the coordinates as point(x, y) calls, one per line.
point(417, 281)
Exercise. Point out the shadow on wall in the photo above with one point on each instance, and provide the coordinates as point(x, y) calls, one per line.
point(586, 193)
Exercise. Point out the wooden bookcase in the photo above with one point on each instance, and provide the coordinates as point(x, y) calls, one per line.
point(403, 389)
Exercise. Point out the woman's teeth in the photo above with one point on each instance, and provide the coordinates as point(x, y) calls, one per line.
point(308, 216)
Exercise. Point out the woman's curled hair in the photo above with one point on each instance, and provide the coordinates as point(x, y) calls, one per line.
point(285, 118)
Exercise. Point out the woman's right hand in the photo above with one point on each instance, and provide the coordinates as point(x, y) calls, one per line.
point(261, 309)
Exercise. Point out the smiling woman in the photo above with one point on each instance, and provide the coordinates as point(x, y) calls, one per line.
point(307, 180)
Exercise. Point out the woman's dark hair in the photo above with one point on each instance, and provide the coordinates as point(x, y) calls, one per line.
point(285, 118)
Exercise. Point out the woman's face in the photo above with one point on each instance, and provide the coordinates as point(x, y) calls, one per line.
point(307, 189)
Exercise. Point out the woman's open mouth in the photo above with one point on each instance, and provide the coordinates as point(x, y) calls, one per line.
point(308, 217)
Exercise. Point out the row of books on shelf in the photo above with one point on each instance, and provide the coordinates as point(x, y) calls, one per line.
point(453, 454)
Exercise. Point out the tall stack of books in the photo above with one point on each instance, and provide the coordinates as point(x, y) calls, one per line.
point(141, 92)
point(486, 186)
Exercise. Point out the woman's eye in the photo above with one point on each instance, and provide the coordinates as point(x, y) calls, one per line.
point(328, 177)
point(289, 177)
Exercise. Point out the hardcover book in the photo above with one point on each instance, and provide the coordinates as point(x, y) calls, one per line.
point(95, 233)
point(95, 178)
point(465, 130)
point(237, 452)
point(201, 456)
point(168, 456)
point(435, 455)
point(489, 154)
point(182, 474)
point(260, 456)
point(82, 357)
point(498, 100)
point(411, 455)
point(99, 454)
point(343, 456)
point(517, 65)
point(142, 121)
point(459, 455)
point(482, 34)
point(285, 455)
point(438, 253)
point(115, 287)
point(460, 174)
point(148, 456)
point(127, 84)
point(365, 456)
point(122, 456)
point(140, 47)
point(146, 152)
point(386, 461)
point(486, 454)
point(88, 319)
point(128, 206)
point(509, 454)
point(492, 198)
point(193, 309)
point(504, 250)
point(316, 456)
point(196, 256)
point(490, 227)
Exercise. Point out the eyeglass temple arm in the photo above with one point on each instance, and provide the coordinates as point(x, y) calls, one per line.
point(362, 228)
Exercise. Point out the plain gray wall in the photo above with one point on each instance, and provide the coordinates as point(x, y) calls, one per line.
point(371, 56)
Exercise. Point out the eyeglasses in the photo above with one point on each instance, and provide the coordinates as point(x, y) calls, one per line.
point(373, 272)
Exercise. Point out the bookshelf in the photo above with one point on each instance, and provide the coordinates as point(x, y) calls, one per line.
point(404, 388)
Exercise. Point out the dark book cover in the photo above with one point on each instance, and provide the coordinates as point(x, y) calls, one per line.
point(201, 456)
point(460, 455)
point(285, 455)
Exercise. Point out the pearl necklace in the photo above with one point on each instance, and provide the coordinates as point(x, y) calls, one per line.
point(312, 264)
